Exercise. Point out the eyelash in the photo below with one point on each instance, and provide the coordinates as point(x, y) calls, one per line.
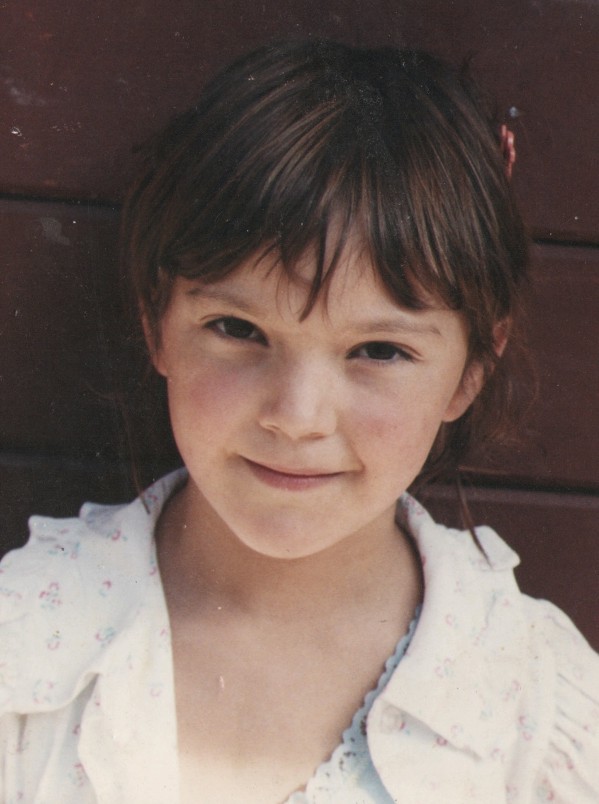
point(394, 353)
point(219, 326)
point(248, 332)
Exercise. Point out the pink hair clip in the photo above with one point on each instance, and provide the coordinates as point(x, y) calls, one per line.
point(508, 149)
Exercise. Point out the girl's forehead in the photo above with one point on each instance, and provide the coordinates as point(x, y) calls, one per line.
point(351, 287)
point(351, 276)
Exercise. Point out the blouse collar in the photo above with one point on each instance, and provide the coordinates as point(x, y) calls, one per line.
point(459, 675)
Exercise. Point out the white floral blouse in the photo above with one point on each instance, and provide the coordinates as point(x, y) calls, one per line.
point(496, 698)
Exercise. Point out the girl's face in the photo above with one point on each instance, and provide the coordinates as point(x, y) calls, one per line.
point(300, 434)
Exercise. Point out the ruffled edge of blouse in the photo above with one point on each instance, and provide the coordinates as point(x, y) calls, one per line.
point(570, 768)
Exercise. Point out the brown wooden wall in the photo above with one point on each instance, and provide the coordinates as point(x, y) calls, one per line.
point(78, 90)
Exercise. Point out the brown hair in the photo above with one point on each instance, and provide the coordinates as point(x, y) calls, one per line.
point(392, 143)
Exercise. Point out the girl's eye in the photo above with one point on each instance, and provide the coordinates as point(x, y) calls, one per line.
point(382, 352)
point(236, 328)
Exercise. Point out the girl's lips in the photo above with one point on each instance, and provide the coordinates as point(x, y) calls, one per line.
point(290, 479)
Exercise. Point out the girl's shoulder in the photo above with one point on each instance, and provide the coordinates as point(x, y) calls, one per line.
point(74, 553)
point(60, 597)
point(473, 594)
point(61, 558)
point(58, 555)
point(496, 674)
point(69, 593)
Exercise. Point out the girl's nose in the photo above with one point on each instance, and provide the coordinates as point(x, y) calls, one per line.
point(299, 402)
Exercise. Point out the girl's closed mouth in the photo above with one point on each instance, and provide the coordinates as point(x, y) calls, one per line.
point(291, 477)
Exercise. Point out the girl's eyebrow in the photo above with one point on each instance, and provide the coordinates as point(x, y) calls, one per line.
point(400, 324)
point(225, 296)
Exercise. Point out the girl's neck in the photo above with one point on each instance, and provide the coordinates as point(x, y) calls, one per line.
point(207, 569)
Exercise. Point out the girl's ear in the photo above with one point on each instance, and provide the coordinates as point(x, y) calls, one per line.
point(473, 378)
point(152, 339)
point(469, 388)
point(501, 334)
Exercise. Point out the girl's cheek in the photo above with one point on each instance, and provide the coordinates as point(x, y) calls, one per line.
point(405, 418)
point(379, 421)
point(213, 390)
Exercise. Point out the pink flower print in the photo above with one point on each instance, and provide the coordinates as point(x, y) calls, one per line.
point(498, 755)
point(105, 587)
point(544, 791)
point(164, 641)
point(69, 551)
point(105, 635)
point(441, 742)
point(512, 691)
point(445, 669)
point(53, 642)
point(10, 594)
point(527, 727)
point(392, 721)
point(77, 775)
point(50, 596)
point(42, 691)
point(116, 535)
point(149, 499)
point(156, 690)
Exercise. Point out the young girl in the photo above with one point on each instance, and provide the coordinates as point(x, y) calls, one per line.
point(327, 263)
